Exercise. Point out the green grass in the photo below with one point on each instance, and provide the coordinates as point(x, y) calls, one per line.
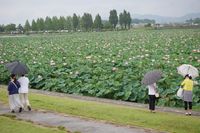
point(11, 125)
point(196, 108)
point(176, 123)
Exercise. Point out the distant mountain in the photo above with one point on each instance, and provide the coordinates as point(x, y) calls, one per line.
point(163, 19)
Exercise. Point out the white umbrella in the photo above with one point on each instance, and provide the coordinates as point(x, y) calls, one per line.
point(188, 69)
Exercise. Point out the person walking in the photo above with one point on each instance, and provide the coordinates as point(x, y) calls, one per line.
point(14, 101)
point(187, 86)
point(23, 91)
point(152, 92)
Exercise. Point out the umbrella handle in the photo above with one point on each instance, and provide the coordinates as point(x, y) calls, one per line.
point(188, 69)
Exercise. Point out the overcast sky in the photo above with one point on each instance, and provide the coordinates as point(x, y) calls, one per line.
point(17, 11)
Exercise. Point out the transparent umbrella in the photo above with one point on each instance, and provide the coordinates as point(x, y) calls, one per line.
point(188, 69)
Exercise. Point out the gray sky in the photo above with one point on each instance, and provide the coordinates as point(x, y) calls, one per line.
point(17, 11)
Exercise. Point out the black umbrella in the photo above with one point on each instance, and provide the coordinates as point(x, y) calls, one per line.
point(151, 77)
point(17, 67)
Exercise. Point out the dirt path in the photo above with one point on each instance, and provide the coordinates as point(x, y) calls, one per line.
point(73, 123)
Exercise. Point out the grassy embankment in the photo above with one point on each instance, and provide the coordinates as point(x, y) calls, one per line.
point(177, 123)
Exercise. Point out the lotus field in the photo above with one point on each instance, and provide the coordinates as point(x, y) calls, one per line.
point(105, 64)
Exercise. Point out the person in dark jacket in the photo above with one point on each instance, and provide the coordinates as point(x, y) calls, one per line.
point(14, 101)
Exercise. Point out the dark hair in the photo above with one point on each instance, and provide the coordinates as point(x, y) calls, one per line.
point(187, 75)
point(22, 75)
point(13, 77)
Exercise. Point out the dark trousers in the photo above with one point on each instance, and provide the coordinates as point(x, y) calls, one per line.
point(186, 105)
point(152, 100)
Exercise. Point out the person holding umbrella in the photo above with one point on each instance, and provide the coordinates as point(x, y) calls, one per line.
point(13, 88)
point(189, 72)
point(150, 79)
point(187, 86)
point(152, 96)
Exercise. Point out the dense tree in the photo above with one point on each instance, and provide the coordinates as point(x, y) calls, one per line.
point(98, 22)
point(27, 26)
point(40, 24)
point(34, 25)
point(87, 21)
point(69, 23)
point(121, 20)
point(62, 22)
point(75, 21)
point(10, 27)
point(48, 24)
point(129, 20)
point(55, 23)
point(79, 22)
point(20, 28)
point(125, 19)
point(195, 21)
point(2, 28)
point(113, 18)
point(107, 25)
point(137, 21)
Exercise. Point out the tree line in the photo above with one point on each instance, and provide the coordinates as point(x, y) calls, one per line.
point(194, 21)
point(144, 21)
point(75, 23)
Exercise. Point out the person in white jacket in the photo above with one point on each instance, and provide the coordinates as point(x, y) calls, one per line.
point(152, 96)
point(23, 91)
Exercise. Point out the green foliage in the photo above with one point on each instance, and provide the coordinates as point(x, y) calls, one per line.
point(48, 23)
point(145, 21)
point(34, 25)
point(20, 29)
point(40, 24)
point(113, 18)
point(107, 25)
point(10, 27)
point(106, 64)
point(62, 22)
point(98, 23)
point(2, 28)
point(125, 20)
point(195, 21)
point(75, 21)
point(27, 26)
point(87, 21)
point(69, 23)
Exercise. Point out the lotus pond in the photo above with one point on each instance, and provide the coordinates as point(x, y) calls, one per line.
point(105, 64)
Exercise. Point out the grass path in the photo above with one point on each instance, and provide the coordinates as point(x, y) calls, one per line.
point(122, 115)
